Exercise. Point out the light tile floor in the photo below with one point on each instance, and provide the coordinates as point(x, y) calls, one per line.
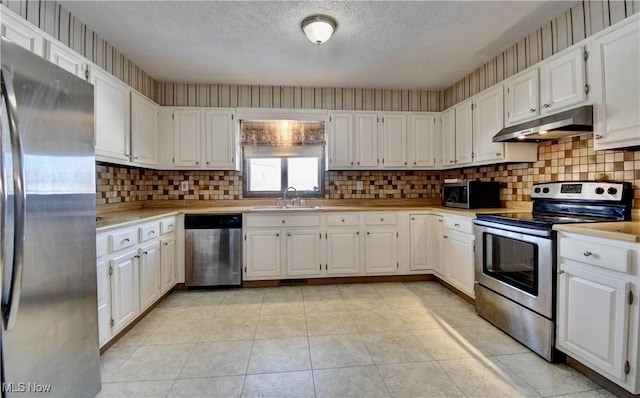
point(361, 340)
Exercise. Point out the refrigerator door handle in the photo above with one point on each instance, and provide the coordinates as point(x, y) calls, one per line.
point(11, 298)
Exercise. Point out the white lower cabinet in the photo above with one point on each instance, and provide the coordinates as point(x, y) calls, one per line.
point(281, 246)
point(125, 289)
point(597, 305)
point(381, 243)
point(135, 267)
point(150, 282)
point(459, 253)
point(426, 242)
point(342, 244)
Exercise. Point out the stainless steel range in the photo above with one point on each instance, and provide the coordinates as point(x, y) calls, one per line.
point(515, 262)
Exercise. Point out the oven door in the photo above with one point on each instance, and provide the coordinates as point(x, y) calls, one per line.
point(517, 264)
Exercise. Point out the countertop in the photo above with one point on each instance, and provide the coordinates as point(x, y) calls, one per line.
point(117, 216)
point(628, 231)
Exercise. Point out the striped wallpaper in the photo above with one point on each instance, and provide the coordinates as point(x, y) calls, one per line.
point(52, 18)
point(578, 23)
point(581, 21)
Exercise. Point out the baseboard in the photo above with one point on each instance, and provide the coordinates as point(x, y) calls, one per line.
point(338, 280)
point(597, 378)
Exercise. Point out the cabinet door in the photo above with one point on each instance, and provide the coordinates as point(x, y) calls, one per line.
point(448, 137)
point(167, 261)
point(125, 290)
point(381, 250)
point(19, 31)
point(104, 302)
point(464, 133)
point(615, 62)
point(488, 120)
point(262, 254)
point(459, 260)
point(341, 140)
point(112, 118)
point(423, 131)
point(68, 60)
point(150, 284)
point(303, 252)
point(593, 319)
point(522, 98)
point(436, 259)
point(366, 142)
point(420, 242)
point(562, 82)
point(394, 140)
point(144, 130)
point(186, 137)
point(220, 140)
point(343, 251)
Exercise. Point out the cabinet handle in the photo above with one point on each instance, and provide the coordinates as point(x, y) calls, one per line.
point(456, 225)
point(545, 106)
point(166, 243)
point(439, 219)
point(151, 232)
point(498, 154)
point(170, 226)
point(532, 110)
point(599, 136)
point(445, 236)
point(126, 240)
point(135, 158)
point(560, 272)
point(587, 253)
point(145, 253)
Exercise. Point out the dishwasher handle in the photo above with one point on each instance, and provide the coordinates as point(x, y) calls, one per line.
point(212, 221)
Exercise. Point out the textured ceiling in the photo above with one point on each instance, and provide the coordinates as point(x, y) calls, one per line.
point(400, 44)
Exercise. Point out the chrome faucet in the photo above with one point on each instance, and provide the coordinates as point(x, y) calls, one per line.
point(284, 195)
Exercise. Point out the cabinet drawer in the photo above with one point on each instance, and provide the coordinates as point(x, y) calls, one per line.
point(102, 245)
point(167, 225)
point(598, 254)
point(343, 219)
point(149, 231)
point(381, 219)
point(123, 239)
point(283, 221)
point(459, 224)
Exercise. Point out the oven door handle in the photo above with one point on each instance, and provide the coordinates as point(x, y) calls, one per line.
point(512, 228)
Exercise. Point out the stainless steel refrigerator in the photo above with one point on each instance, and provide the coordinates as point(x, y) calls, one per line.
point(49, 339)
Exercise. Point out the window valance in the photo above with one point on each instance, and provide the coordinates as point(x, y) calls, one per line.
point(282, 132)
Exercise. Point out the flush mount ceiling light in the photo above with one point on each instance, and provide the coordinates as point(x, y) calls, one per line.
point(318, 28)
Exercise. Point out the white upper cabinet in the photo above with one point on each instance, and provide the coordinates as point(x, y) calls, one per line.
point(220, 140)
point(21, 32)
point(614, 66)
point(422, 142)
point(341, 140)
point(112, 117)
point(448, 137)
point(563, 82)
point(144, 130)
point(366, 142)
point(68, 59)
point(186, 137)
point(394, 140)
point(464, 133)
point(521, 95)
point(488, 120)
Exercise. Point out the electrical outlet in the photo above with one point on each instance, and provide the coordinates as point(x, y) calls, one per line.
point(359, 185)
point(184, 186)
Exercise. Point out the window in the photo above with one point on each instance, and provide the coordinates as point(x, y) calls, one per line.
point(277, 158)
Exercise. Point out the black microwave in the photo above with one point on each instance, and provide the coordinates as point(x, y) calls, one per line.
point(471, 194)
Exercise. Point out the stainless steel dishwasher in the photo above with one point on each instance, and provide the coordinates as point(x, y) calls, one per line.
point(213, 250)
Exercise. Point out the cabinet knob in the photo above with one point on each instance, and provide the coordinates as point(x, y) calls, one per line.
point(381, 219)
point(498, 154)
point(135, 158)
point(145, 253)
point(545, 106)
point(445, 237)
point(560, 272)
point(532, 110)
point(368, 233)
point(456, 225)
point(288, 234)
point(351, 163)
point(414, 163)
point(277, 235)
point(587, 253)
point(599, 136)
point(166, 243)
point(405, 163)
point(151, 232)
point(343, 220)
point(208, 162)
point(126, 240)
point(413, 218)
point(197, 162)
point(283, 221)
point(358, 162)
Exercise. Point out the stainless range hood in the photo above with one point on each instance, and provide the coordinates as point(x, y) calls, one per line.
point(564, 124)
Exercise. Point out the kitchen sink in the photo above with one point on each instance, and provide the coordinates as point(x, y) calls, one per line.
point(281, 208)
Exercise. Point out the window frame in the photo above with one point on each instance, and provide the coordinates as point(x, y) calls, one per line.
point(246, 193)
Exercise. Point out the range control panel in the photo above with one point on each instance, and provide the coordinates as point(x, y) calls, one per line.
point(583, 190)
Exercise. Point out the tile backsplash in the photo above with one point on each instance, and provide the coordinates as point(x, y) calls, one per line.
point(565, 159)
